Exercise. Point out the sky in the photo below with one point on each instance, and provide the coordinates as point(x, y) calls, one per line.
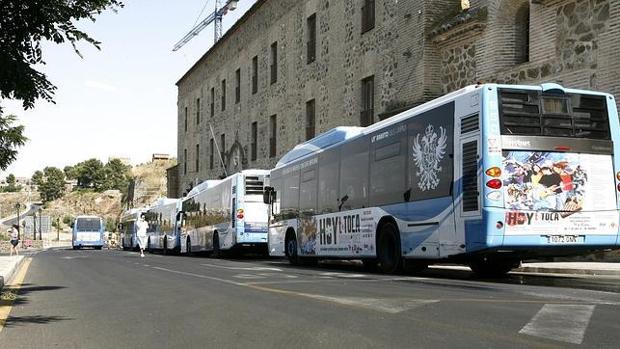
point(120, 101)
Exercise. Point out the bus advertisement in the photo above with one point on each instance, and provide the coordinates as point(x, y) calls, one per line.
point(488, 176)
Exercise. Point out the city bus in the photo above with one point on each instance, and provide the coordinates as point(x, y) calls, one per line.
point(488, 176)
point(226, 215)
point(128, 229)
point(88, 232)
point(163, 233)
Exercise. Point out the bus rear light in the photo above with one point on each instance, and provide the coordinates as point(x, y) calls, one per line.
point(618, 187)
point(494, 172)
point(618, 176)
point(499, 225)
point(494, 195)
point(240, 214)
point(562, 148)
point(494, 183)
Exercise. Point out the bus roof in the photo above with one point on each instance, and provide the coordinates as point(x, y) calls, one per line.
point(202, 186)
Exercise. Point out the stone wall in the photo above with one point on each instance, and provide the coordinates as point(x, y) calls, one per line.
point(417, 50)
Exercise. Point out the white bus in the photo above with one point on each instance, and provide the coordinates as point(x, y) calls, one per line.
point(487, 176)
point(88, 232)
point(163, 229)
point(225, 215)
point(127, 228)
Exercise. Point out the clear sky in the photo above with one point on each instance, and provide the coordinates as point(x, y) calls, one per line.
point(120, 101)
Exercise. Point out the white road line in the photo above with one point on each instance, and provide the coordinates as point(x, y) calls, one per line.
point(241, 268)
point(560, 322)
point(202, 276)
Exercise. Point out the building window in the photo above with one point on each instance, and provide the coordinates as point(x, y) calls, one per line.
point(238, 86)
point(212, 101)
point(222, 145)
point(272, 135)
point(185, 119)
point(197, 157)
point(197, 111)
point(254, 74)
point(368, 15)
point(211, 153)
point(254, 144)
point(523, 34)
point(184, 161)
point(223, 94)
point(368, 101)
point(311, 38)
point(274, 62)
point(310, 119)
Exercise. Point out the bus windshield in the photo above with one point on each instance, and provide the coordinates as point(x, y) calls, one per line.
point(87, 224)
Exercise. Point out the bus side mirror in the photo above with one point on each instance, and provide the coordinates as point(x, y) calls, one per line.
point(269, 195)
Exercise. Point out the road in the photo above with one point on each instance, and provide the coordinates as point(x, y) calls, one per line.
point(109, 298)
point(31, 209)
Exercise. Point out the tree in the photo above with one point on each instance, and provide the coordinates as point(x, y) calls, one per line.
point(53, 187)
point(70, 172)
point(37, 178)
point(90, 174)
point(11, 137)
point(23, 25)
point(12, 186)
point(116, 175)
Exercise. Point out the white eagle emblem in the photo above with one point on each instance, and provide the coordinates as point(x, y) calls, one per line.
point(427, 155)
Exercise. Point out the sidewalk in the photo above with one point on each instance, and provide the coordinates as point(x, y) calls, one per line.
point(579, 268)
point(8, 266)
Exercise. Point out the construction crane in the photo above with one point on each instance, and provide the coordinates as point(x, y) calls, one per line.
point(215, 16)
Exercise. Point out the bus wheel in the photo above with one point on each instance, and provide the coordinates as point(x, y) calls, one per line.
point(217, 253)
point(165, 251)
point(388, 250)
point(492, 268)
point(291, 248)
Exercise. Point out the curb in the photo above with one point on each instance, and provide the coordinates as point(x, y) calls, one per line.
point(571, 271)
point(9, 275)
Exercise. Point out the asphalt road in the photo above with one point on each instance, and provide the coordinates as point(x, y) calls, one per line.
point(114, 299)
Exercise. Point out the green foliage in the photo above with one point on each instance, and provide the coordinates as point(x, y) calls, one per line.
point(11, 137)
point(111, 224)
point(117, 175)
point(70, 172)
point(53, 185)
point(67, 220)
point(12, 186)
point(23, 25)
point(37, 178)
point(90, 174)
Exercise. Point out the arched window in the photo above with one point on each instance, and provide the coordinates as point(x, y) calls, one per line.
point(522, 31)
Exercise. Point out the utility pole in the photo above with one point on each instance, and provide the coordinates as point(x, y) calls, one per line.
point(34, 225)
point(17, 222)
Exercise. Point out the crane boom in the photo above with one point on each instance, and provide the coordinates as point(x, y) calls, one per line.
point(215, 16)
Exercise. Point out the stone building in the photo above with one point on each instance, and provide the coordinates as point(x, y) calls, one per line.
point(291, 69)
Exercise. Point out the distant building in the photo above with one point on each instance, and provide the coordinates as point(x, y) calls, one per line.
point(157, 157)
point(172, 175)
point(289, 70)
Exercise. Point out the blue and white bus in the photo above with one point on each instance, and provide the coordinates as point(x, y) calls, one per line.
point(225, 215)
point(88, 232)
point(163, 229)
point(488, 176)
point(128, 229)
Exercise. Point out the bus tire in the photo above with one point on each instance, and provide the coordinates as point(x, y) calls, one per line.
point(216, 252)
point(492, 267)
point(290, 245)
point(188, 246)
point(388, 249)
point(98, 247)
point(165, 251)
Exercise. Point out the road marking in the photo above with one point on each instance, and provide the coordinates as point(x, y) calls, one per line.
point(242, 268)
point(560, 322)
point(344, 275)
point(16, 284)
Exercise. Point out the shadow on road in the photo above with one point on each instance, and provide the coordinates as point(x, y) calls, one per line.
point(14, 296)
point(14, 321)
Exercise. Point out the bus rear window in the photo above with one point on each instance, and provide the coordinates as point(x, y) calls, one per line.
point(88, 224)
point(531, 113)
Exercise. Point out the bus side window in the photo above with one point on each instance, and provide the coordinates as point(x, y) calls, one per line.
point(329, 177)
point(354, 175)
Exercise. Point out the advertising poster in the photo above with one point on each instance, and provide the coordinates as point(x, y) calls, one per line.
point(559, 193)
point(339, 234)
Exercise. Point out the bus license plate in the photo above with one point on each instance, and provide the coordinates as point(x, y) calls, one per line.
point(560, 239)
